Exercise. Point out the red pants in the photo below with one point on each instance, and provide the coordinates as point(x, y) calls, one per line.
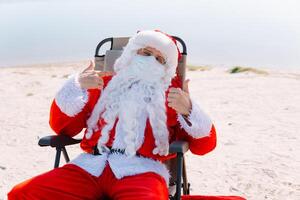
point(73, 183)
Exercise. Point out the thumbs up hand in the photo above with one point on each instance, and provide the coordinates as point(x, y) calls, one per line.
point(89, 78)
point(179, 99)
point(91, 67)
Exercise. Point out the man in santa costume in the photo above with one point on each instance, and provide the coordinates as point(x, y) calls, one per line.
point(130, 117)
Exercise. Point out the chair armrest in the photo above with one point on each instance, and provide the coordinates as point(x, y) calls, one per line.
point(179, 147)
point(58, 141)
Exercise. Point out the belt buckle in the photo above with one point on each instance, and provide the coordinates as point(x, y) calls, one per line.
point(103, 148)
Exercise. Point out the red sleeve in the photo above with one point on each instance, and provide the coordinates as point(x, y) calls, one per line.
point(71, 126)
point(199, 146)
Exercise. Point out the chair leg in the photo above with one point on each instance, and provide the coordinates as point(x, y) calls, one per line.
point(65, 154)
point(57, 157)
point(186, 185)
point(179, 174)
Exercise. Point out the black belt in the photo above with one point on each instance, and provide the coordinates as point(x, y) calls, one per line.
point(111, 151)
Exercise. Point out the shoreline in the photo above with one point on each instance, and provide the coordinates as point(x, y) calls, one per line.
point(211, 66)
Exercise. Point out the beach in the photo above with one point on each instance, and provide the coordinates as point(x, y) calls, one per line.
point(256, 115)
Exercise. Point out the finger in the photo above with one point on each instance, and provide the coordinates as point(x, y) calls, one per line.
point(97, 80)
point(100, 81)
point(101, 74)
point(96, 85)
point(173, 105)
point(92, 77)
point(171, 100)
point(174, 90)
point(185, 86)
point(89, 73)
point(100, 85)
point(90, 67)
point(173, 95)
point(94, 81)
point(170, 105)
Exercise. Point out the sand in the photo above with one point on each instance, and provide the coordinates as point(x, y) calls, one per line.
point(257, 117)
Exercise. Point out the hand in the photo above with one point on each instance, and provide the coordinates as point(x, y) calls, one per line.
point(89, 78)
point(179, 99)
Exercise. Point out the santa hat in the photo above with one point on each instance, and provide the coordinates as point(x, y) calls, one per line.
point(153, 38)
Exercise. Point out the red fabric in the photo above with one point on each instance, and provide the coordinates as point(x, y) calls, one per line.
point(192, 197)
point(72, 183)
point(63, 124)
point(207, 143)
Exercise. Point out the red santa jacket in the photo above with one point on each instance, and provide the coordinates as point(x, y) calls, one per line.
point(71, 122)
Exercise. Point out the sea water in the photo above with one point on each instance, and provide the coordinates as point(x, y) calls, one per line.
point(259, 33)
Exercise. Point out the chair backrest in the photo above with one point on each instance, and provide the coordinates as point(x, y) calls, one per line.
point(106, 61)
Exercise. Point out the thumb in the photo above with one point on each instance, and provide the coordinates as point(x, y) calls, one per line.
point(90, 67)
point(185, 86)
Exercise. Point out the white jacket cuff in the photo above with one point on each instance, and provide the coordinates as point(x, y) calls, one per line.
point(200, 123)
point(71, 98)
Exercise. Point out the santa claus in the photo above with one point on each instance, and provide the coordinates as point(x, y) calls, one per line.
point(130, 117)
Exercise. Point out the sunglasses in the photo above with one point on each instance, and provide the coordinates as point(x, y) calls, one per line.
point(146, 52)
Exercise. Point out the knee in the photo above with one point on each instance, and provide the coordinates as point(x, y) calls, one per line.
point(18, 191)
point(14, 193)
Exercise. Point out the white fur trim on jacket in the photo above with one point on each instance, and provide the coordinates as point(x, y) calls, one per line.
point(200, 122)
point(71, 98)
point(120, 164)
point(123, 165)
point(91, 163)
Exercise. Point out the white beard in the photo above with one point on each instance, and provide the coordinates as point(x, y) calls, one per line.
point(136, 88)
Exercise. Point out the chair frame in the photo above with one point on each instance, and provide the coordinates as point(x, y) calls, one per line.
point(59, 142)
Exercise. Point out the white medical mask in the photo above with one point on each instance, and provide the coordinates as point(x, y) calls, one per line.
point(147, 68)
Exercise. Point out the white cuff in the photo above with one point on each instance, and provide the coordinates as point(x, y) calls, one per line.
point(71, 98)
point(200, 122)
